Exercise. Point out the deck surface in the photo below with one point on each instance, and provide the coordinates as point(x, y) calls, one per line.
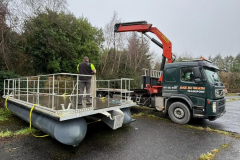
point(61, 103)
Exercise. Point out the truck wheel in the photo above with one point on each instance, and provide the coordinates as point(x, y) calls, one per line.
point(99, 94)
point(179, 113)
point(108, 96)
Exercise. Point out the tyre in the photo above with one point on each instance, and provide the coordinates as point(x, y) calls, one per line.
point(99, 94)
point(108, 96)
point(179, 113)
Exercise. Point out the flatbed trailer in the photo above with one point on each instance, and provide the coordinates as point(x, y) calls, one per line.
point(110, 92)
point(52, 102)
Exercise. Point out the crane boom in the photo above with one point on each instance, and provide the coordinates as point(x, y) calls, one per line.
point(143, 27)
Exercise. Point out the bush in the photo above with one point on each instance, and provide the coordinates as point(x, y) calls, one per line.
point(5, 75)
point(231, 80)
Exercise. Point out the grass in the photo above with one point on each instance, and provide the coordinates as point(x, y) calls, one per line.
point(225, 133)
point(231, 94)
point(4, 114)
point(233, 99)
point(5, 134)
point(147, 115)
point(213, 153)
point(24, 131)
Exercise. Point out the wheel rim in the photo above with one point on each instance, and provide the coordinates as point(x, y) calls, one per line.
point(179, 113)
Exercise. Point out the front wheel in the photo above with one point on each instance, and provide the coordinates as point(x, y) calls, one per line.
point(179, 113)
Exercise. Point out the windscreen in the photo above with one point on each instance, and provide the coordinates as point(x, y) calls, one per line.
point(212, 75)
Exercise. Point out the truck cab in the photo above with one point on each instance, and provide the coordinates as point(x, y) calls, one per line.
point(192, 89)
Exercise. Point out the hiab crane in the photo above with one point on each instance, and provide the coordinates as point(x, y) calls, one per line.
point(182, 90)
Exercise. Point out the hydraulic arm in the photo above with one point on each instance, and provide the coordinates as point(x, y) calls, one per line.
point(166, 45)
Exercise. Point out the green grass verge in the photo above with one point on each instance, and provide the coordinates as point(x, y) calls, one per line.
point(213, 153)
point(232, 99)
point(4, 114)
point(24, 131)
point(231, 94)
point(226, 133)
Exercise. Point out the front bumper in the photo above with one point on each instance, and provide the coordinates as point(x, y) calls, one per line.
point(220, 109)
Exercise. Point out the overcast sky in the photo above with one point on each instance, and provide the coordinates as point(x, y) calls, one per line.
point(196, 27)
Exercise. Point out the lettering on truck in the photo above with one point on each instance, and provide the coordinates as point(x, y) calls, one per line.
point(193, 89)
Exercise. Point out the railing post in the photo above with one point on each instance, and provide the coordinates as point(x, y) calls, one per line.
point(8, 86)
point(4, 88)
point(14, 87)
point(65, 87)
point(53, 92)
point(58, 87)
point(27, 89)
point(125, 89)
point(49, 91)
point(129, 88)
point(108, 91)
point(38, 89)
point(121, 92)
point(77, 93)
point(19, 88)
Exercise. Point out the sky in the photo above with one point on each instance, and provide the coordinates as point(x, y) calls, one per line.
point(195, 27)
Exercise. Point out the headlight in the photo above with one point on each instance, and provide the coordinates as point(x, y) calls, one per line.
point(214, 107)
point(219, 92)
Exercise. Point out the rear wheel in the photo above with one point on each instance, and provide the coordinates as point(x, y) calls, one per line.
point(108, 96)
point(100, 94)
point(179, 113)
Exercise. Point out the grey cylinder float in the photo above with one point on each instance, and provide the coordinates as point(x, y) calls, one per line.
point(69, 132)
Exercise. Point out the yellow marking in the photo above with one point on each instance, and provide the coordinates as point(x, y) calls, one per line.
point(165, 38)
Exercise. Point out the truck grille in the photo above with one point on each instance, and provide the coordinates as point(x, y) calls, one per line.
point(221, 102)
point(221, 109)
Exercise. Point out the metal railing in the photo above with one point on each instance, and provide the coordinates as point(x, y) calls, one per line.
point(60, 91)
point(151, 73)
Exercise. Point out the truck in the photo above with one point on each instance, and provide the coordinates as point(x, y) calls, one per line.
point(181, 90)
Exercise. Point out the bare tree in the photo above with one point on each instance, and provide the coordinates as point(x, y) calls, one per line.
point(115, 41)
point(3, 14)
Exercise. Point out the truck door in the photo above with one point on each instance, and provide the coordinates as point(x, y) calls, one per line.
point(195, 91)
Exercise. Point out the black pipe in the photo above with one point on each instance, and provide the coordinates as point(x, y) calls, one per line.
point(117, 25)
point(163, 63)
point(157, 43)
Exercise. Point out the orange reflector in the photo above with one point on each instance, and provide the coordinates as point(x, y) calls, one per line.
point(162, 107)
point(208, 102)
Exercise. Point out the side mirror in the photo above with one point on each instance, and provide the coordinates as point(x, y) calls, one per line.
point(197, 75)
point(196, 72)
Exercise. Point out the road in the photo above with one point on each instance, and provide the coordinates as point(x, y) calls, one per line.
point(147, 138)
point(230, 121)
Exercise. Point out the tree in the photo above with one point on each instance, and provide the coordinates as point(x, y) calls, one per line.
point(59, 41)
point(218, 61)
point(184, 56)
point(113, 42)
point(236, 64)
point(228, 63)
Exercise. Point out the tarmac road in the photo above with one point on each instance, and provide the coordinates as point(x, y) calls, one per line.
point(230, 121)
point(147, 138)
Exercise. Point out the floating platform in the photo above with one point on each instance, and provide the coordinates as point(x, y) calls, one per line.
point(57, 112)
